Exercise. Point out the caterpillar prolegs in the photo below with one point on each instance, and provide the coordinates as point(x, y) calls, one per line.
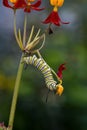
point(46, 71)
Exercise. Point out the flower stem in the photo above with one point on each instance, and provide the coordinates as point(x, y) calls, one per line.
point(19, 73)
point(24, 35)
point(15, 95)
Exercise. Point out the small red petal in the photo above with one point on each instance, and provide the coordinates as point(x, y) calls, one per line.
point(20, 4)
point(48, 19)
point(37, 9)
point(37, 4)
point(65, 22)
point(27, 9)
point(5, 3)
point(54, 18)
point(60, 69)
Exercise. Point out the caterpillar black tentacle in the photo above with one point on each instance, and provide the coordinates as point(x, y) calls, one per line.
point(46, 71)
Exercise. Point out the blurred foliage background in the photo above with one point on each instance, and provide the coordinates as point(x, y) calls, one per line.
point(67, 44)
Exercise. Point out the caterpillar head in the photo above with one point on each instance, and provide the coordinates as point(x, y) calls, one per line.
point(59, 89)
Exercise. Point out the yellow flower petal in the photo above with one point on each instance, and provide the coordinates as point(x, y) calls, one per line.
point(30, 0)
point(58, 3)
point(59, 89)
point(13, 1)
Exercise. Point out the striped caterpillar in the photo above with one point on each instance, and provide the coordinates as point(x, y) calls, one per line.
point(46, 71)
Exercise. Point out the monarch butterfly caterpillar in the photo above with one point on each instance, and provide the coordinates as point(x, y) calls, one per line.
point(46, 71)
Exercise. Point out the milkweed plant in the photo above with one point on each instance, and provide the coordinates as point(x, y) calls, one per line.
point(30, 53)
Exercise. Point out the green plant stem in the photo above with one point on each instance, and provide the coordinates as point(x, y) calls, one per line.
point(15, 95)
point(24, 35)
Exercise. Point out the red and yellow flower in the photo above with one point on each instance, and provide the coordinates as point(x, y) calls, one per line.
point(23, 4)
point(29, 6)
point(60, 88)
point(14, 4)
point(54, 17)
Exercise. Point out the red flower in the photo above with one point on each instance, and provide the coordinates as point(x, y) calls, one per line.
point(26, 5)
point(29, 6)
point(54, 18)
point(16, 5)
point(60, 69)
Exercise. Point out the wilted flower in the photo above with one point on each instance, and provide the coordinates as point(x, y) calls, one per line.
point(60, 69)
point(60, 88)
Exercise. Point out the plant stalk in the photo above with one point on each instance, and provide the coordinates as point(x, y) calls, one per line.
point(15, 95)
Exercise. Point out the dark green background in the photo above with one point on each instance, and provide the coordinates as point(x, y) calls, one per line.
point(67, 44)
